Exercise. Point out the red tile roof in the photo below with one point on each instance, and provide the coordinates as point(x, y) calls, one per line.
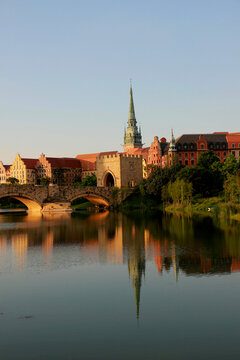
point(30, 163)
point(93, 157)
point(64, 162)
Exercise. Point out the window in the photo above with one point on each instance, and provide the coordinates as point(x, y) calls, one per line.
point(218, 154)
point(233, 146)
point(186, 155)
point(192, 162)
point(192, 155)
point(186, 162)
point(202, 146)
point(224, 154)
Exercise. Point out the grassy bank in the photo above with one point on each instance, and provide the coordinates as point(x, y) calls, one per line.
point(84, 205)
point(213, 207)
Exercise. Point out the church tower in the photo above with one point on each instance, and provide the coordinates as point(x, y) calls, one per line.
point(132, 135)
point(172, 152)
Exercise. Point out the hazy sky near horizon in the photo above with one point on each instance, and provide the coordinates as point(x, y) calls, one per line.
point(65, 67)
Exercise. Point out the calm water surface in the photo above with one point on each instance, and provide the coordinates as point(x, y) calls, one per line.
point(115, 286)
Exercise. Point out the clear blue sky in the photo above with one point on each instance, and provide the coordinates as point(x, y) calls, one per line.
point(65, 67)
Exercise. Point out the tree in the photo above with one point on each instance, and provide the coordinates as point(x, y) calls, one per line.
point(206, 159)
point(89, 180)
point(180, 192)
point(205, 181)
point(230, 166)
point(231, 188)
point(160, 177)
point(45, 181)
point(12, 180)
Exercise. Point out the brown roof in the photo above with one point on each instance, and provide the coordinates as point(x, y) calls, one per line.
point(7, 167)
point(193, 138)
point(64, 162)
point(30, 163)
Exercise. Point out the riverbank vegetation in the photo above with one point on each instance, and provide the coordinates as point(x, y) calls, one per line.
point(210, 187)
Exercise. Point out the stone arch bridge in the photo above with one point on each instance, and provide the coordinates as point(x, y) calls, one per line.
point(59, 198)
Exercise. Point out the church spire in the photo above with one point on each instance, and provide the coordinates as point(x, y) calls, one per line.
point(131, 115)
point(172, 146)
point(133, 137)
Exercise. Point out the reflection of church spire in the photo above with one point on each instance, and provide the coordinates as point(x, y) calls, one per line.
point(137, 268)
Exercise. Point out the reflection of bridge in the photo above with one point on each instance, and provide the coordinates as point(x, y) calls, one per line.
point(59, 198)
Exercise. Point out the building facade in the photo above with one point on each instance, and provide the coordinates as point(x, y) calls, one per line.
point(61, 171)
point(24, 170)
point(4, 173)
point(119, 170)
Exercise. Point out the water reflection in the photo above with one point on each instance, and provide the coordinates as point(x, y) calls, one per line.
point(177, 245)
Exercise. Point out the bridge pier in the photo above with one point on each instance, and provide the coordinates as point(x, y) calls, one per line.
point(57, 207)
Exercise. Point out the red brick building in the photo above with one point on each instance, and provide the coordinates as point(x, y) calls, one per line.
point(188, 147)
point(61, 171)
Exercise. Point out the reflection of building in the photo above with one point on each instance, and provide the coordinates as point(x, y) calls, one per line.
point(20, 248)
point(47, 245)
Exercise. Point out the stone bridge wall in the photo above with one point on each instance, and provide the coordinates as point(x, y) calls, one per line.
point(42, 196)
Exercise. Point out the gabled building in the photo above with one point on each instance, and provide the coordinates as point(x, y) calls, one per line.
point(233, 140)
point(61, 171)
point(24, 169)
point(4, 173)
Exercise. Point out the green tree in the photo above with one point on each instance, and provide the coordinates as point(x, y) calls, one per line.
point(205, 181)
point(160, 177)
point(180, 192)
point(230, 166)
point(45, 181)
point(12, 180)
point(89, 180)
point(231, 188)
point(207, 159)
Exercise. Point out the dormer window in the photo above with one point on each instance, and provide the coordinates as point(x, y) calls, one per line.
point(202, 146)
point(233, 146)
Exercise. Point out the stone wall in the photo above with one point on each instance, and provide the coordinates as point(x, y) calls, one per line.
point(126, 169)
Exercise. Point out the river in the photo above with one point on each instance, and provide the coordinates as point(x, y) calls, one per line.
point(118, 286)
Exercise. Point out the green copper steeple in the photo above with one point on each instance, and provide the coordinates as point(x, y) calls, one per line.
point(131, 117)
point(132, 136)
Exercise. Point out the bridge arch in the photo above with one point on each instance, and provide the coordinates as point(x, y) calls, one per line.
point(31, 204)
point(96, 199)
